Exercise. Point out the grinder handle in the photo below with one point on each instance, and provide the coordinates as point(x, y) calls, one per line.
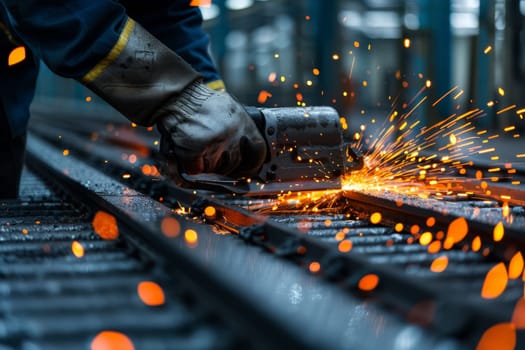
point(257, 116)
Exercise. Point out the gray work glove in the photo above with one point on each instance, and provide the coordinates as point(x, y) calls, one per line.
point(207, 131)
point(202, 130)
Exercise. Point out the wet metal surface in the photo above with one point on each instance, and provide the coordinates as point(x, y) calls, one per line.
point(306, 306)
point(50, 299)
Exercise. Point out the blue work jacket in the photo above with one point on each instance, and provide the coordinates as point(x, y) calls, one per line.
point(72, 36)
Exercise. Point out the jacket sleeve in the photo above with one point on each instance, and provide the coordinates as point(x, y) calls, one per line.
point(71, 36)
point(179, 26)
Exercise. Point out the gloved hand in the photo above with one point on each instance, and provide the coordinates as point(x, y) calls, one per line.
point(202, 130)
point(206, 131)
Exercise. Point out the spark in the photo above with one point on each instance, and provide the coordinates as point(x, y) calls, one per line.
point(501, 336)
point(314, 267)
point(495, 282)
point(17, 55)
point(191, 237)
point(151, 293)
point(111, 340)
point(105, 225)
point(77, 249)
point(263, 96)
point(170, 227)
point(368, 282)
point(439, 264)
point(201, 3)
point(506, 109)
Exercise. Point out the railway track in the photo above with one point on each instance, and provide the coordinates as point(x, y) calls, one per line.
point(433, 287)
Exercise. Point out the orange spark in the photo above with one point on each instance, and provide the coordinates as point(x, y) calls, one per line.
point(345, 246)
point(443, 96)
point(170, 227)
point(191, 237)
point(263, 96)
point(150, 293)
point(105, 225)
point(314, 267)
point(503, 110)
point(516, 266)
point(368, 282)
point(77, 249)
point(502, 336)
point(16, 56)
point(375, 218)
point(495, 282)
point(518, 316)
point(457, 230)
point(476, 244)
point(434, 247)
point(439, 264)
point(203, 3)
point(498, 232)
point(109, 340)
point(210, 211)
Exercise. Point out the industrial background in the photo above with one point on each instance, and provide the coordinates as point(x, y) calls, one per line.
point(273, 45)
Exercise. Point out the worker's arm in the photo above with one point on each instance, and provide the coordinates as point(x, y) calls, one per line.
point(202, 130)
point(163, 18)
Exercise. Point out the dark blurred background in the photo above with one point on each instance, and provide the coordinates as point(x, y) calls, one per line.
point(361, 56)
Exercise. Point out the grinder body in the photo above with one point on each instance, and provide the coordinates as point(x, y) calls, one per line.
point(304, 143)
point(305, 151)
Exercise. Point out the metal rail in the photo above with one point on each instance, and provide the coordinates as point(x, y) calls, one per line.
point(141, 221)
point(452, 314)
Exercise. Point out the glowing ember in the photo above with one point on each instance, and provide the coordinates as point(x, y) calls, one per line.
point(425, 238)
point(191, 237)
point(202, 3)
point(16, 56)
point(501, 336)
point(210, 212)
point(105, 225)
point(368, 282)
point(439, 264)
point(495, 282)
point(457, 230)
point(518, 316)
point(476, 244)
point(109, 340)
point(170, 227)
point(150, 293)
point(314, 267)
point(375, 218)
point(434, 247)
point(263, 96)
point(77, 249)
point(345, 246)
point(499, 231)
point(516, 266)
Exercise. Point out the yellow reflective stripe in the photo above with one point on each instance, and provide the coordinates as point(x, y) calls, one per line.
point(217, 85)
point(113, 54)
